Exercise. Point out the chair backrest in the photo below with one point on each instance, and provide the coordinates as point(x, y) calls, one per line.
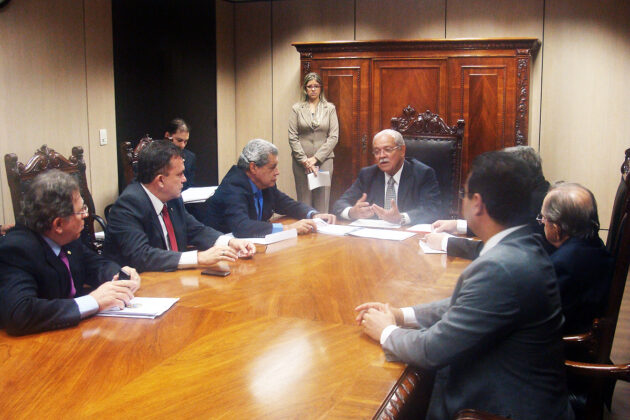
point(20, 175)
point(620, 198)
point(129, 157)
point(431, 141)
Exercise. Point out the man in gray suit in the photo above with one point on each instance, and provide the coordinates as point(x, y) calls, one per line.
point(497, 341)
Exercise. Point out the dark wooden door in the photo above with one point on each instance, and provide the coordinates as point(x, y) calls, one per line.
point(346, 84)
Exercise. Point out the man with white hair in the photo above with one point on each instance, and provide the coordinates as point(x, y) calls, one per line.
point(248, 197)
point(396, 189)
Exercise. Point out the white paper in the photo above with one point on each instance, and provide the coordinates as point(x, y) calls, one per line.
point(142, 307)
point(273, 237)
point(99, 236)
point(428, 250)
point(198, 194)
point(374, 223)
point(392, 235)
point(422, 227)
point(328, 229)
point(321, 180)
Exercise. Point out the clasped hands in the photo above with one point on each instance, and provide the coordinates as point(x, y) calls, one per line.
point(374, 317)
point(237, 248)
point(364, 210)
point(440, 229)
point(117, 293)
point(310, 165)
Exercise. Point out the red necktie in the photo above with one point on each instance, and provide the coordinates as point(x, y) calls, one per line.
point(64, 258)
point(169, 228)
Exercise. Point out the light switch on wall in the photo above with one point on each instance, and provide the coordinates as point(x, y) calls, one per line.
point(102, 133)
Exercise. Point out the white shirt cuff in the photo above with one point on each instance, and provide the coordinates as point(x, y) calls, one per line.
point(188, 259)
point(409, 317)
point(386, 332)
point(462, 227)
point(87, 305)
point(346, 213)
point(223, 240)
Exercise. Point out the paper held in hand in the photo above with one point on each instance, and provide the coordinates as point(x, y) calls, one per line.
point(321, 180)
point(142, 307)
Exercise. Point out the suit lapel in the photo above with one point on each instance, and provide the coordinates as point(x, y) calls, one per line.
point(305, 112)
point(177, 219)
point(377, 192)
point(60, 269)
point(404, 187)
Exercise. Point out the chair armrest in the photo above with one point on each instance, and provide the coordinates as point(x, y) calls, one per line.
point(99, 220)
point(469, 414)
point(594, 370)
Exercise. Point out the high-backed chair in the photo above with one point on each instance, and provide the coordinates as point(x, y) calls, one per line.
point(20, 175)
point(430, 140)
point(129, 157)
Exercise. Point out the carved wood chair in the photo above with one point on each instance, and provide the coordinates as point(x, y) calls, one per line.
point(129, 157)
point(20, 175)
point(431, 141)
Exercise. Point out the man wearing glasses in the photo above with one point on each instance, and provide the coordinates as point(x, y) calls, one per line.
point(395, 189)
point(44, 265)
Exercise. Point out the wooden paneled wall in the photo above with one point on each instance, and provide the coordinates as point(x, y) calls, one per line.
point(57, 87)
point(578, 82)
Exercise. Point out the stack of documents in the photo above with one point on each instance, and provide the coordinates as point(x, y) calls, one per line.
point(142, 307)
point(375, 223)
point(198, 194)
point(354, 229)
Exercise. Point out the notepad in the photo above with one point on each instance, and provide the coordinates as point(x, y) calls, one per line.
point(142, 307)
point(198, 194)
point(336, 230)
point(321, 180)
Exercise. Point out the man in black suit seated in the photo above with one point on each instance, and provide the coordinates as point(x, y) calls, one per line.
point(497, 341)
point(250, 186)
point(396, 189)
point(178, 132)
point(149, 227)
point(582, 263)
point(44, 265)
point(464, 248)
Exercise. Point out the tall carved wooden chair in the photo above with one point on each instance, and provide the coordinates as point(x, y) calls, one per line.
point(20, 175)
point(129, 157)
point(431, 141)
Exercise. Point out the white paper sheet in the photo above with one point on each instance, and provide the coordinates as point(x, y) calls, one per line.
point(422, 227)
point(374, 223)
point(198, 194)
point(321, 180)
point(428, 250)
point(274, 237)
point(328, 229)
point(392, 235)
point(142, 307)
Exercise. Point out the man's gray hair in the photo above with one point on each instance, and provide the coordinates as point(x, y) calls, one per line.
point(49, 196)
point(572, 207)
point(257, 151)
point(529, 155)
point(398, 138)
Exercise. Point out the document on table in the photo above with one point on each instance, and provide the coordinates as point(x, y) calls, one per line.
point(321, 180)
point(328, 229)
point(428, 250)
point(272, 237)
point(142, 307)
point(392, 235)
point(198, 194)
point(374, 223)
point(422, 227)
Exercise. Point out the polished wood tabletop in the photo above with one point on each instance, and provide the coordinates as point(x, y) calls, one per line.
point(275, 339)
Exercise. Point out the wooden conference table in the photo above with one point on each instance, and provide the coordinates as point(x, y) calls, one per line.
point(275, 339)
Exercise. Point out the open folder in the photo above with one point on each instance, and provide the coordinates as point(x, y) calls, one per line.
point(142, 307)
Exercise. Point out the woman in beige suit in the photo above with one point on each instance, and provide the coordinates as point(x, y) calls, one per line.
point(313, 134)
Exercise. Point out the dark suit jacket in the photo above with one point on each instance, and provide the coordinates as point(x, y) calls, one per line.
point(584, 271)
point(134, 236)
point(497, 340)
point(232, 207)
point(35, 284)
point(189, 168)
point(418, 192)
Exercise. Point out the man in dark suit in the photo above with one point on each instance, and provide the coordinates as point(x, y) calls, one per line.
point(248, 197)
point(178, 131)
point(464, 248)
point(44, 265)
point(396, 189)
point(149, 226)
point(497, 341)
point(582, 264)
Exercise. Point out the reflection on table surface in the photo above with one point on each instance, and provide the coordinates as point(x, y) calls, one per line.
point(274, 339)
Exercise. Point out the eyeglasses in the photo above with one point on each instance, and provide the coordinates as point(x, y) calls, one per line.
point(541, 219)
point(178, 140)
point(463, 193)
point(313, 87)
point(84, 210)
point(386, 150)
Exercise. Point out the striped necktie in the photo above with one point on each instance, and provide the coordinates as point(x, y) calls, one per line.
point(390, 193)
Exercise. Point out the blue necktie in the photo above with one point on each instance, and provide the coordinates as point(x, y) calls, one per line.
point(259, 203)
